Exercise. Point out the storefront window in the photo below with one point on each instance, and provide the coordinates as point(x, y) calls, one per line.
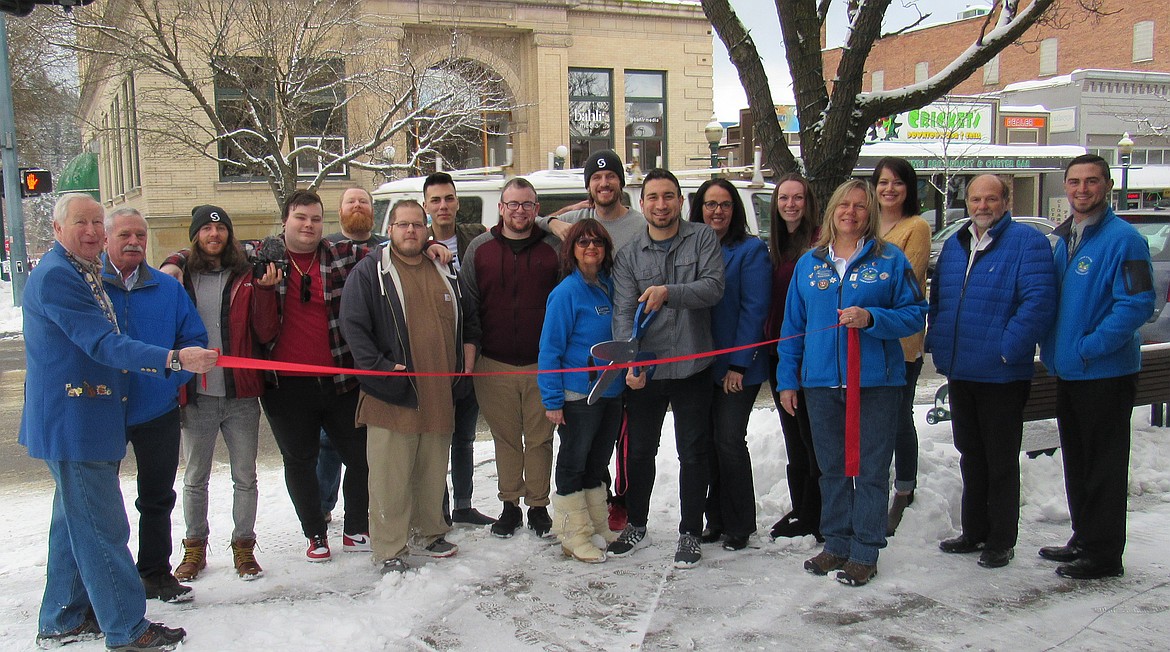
point(590, 113)
point(645, 116)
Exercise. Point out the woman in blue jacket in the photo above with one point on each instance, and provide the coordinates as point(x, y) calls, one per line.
point(579, 314)
point(737, 320)
point(850, 280)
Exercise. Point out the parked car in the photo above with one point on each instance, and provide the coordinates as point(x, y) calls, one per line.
point(1154, 224)
point(479, 195)
point(1041, 224)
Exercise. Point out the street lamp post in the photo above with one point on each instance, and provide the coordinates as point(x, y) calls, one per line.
point(714, 133)
point(559, 155)
point(1125, 148)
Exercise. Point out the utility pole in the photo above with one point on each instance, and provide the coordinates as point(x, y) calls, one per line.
point(13, 206)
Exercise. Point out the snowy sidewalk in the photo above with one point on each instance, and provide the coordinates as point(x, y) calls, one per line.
point(521, 594)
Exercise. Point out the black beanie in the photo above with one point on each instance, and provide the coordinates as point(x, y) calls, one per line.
point(206, 214)
point(606, 159)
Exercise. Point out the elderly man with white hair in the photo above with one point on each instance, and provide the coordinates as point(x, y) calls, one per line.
point(78, 367)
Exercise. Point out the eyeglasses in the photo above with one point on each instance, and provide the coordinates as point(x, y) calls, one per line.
point(517, 205)
point(306, 288)
point(584, 242)
point(712, 205)
point(406, 226)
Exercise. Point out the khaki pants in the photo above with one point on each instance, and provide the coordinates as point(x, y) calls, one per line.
point(408, 474)
point(523, 436)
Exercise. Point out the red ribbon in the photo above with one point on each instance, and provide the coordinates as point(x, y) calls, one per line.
point(853, 405)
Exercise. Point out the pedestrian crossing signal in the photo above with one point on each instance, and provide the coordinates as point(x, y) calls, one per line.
point(35, 181)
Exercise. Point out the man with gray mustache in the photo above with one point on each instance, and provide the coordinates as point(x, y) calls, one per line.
point(154, 308)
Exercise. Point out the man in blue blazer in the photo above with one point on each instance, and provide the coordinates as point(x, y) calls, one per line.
point(78, 366)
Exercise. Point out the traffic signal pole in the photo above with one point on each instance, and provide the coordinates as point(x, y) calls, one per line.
point(13, 208)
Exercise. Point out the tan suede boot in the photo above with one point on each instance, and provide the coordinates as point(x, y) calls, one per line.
point(573, 527)
point(194, 559)
point(245, 559)
point(599, 513)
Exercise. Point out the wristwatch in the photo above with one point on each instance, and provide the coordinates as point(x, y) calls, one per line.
point(175, 365)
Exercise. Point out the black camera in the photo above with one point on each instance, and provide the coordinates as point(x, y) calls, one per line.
point(271, 251)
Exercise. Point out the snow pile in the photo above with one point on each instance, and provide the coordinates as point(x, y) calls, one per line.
point(522, 594)
point(11, 318)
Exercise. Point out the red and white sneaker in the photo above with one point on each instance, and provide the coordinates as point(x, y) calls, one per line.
point(356, 542)
point(318, 549)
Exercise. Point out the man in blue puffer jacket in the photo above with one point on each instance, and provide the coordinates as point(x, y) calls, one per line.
point(1105, 281)
point(992, 299)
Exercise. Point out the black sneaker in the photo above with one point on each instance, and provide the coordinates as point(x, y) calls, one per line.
point(510, 520)
point(164, 586)
point(439, 548)
point(539, 521)
point(628, 541)
point(88, 630)
point(394, 565)
point(733, 542)
point(156, 637)
point(471, 516)
point(689, 551)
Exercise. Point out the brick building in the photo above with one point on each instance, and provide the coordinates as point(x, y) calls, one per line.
point(587, 74)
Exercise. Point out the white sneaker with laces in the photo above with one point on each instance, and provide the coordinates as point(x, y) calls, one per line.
point(356, 542)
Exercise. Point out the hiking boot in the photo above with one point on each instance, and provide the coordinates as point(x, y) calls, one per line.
point(356, 542)
point(245, 559)
point(394, 565)
point(618, 517)
point(194, 559)
point(471, 516)
point(539, 521)
point(992, 558)
point(510, 520)
point(164, 586)
point(689, 551)
point(824, 563)
point(960, 545)
point(855, 574)
point(88, 630)
point(318, 549)
point(156, 637)
point(894, 519)
point(439, 548)
point(631, 539)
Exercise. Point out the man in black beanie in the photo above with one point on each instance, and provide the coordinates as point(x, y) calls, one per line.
point(605, 179)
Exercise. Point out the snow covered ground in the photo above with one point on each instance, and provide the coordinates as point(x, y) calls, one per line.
point(11, 318)
point(520, 594)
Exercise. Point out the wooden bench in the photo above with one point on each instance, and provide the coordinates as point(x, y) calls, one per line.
point(1153, 387)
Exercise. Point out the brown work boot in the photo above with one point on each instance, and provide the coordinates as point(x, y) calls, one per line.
point(824, 563)
point(246, 566)
point(194, 559)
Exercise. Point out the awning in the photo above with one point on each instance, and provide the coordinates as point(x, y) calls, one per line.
point(80, 175)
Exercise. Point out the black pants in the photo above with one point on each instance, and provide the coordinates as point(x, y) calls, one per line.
point(156, 452)
point(690, 399)
point(987, 420)
point(804, 475)
point(731, 498)
point(297, 410)
point(1094, 420)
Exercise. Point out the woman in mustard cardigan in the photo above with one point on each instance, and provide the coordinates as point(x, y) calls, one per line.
point(901, 226)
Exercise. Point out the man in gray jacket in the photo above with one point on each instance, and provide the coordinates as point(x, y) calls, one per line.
point(676, 268)
point(409, 419)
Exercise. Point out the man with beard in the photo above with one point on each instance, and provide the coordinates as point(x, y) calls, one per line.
point(510, 271)
point(442, 203)
point(605, 177)
point(151, 307)
point(356, 214)
point(674, 267)
point(239, 311)
point(1104, 282)
point(409, 420)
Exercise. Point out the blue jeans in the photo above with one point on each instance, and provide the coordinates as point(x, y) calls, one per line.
point(906, 441)
point(853, 510)
point(587, 440)
point(89, 561)
point(463, 453)
point(328, 473)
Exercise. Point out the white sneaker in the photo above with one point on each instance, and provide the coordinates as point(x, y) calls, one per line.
point(355, 542)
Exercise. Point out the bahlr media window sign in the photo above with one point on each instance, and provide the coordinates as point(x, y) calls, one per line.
point(952, 122)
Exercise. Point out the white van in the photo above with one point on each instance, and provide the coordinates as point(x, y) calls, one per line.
point(479, 195)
